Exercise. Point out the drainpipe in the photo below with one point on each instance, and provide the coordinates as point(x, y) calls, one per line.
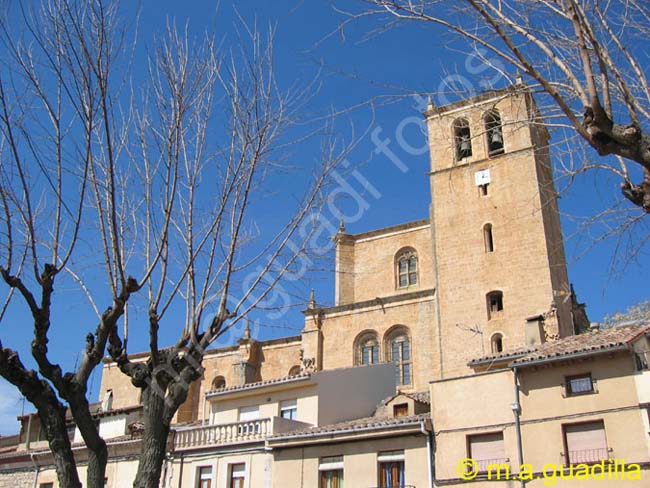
point(205, 399)
point(429, 453)
point(29, 432)
point(37, 468)
point(516, 409)
point(180, 472)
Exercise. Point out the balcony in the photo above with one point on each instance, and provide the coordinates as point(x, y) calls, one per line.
point(232, 433)
point(588, 456)
point(487, 465)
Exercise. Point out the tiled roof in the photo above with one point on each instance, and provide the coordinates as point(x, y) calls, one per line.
point(420, 396)
point(502, 356)
point(357, 425)
point(258, 384)
point(590, 342)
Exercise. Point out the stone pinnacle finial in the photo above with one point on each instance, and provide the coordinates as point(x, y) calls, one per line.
point(247, 330)
point(429, 103)
point(312, 300)
point(519, 80)
point(342, 227)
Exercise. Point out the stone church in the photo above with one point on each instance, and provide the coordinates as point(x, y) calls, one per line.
point(416, 304)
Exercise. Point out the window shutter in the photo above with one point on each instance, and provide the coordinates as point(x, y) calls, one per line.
point(487, 446)
point(247, 414)
point(586, 442)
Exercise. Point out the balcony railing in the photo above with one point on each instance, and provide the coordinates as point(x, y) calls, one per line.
point(395, 486)
point(236, 432)
point(586, 456)
point(233, 432)
point(485, 464)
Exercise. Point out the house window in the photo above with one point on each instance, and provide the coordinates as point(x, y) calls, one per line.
point(331, 472)
point(579, 384)
point(401, 410)
point(248, 418)
point(367, 349)
point(494, 304)
point(46, 485)
point(486, 449)
point(204, 477)
point(487, 238)
point(70, 429)
point(497, 343)
point(391, 469)
point(493, 132)
point(407, 268)
point(462, 139)
point(585, 442)
point(294, 371)
point(289, 409)
point(399, 348)
point(218, 382)
point(483, 190)
point(236, 475)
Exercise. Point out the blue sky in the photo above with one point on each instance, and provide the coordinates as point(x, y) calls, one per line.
point(351, 71)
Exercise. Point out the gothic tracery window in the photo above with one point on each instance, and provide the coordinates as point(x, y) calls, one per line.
point(398, 347)
point(366, 349)
point(407, 268)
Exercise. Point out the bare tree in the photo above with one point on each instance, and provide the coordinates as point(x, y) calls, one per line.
point(145, 199)
point(585, 55)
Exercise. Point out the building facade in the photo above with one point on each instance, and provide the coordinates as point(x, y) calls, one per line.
point(414, 365)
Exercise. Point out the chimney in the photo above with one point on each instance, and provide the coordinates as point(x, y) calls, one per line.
point(535, 334)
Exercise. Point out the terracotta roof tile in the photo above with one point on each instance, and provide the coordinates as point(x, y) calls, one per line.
point(502, 356)
point(258, 384)
point(420, 396)
point(367, 423)
point(595, 341)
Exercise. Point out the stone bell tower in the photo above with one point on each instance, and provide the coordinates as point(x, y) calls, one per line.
point(497, 243)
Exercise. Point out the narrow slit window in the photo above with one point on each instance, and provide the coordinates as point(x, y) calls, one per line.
point(488, 238)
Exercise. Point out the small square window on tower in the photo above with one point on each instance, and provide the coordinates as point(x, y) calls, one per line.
point(482, 181)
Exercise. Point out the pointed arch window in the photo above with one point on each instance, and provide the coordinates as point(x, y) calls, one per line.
point(462, 139)
point(366, 349)
point(493, 132)
point(407, 268)
point(398, 346)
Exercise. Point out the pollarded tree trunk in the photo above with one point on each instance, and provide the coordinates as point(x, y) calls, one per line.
point(53, 419)
point(97, 450)
point(154, 441)
point(51, 413)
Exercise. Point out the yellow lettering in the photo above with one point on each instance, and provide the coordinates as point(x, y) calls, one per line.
point(598, 470)
point(498, 468)
point(550, 474)
point(633, 472)
point(582, 472)
point(526, 472)
point(568, 471)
